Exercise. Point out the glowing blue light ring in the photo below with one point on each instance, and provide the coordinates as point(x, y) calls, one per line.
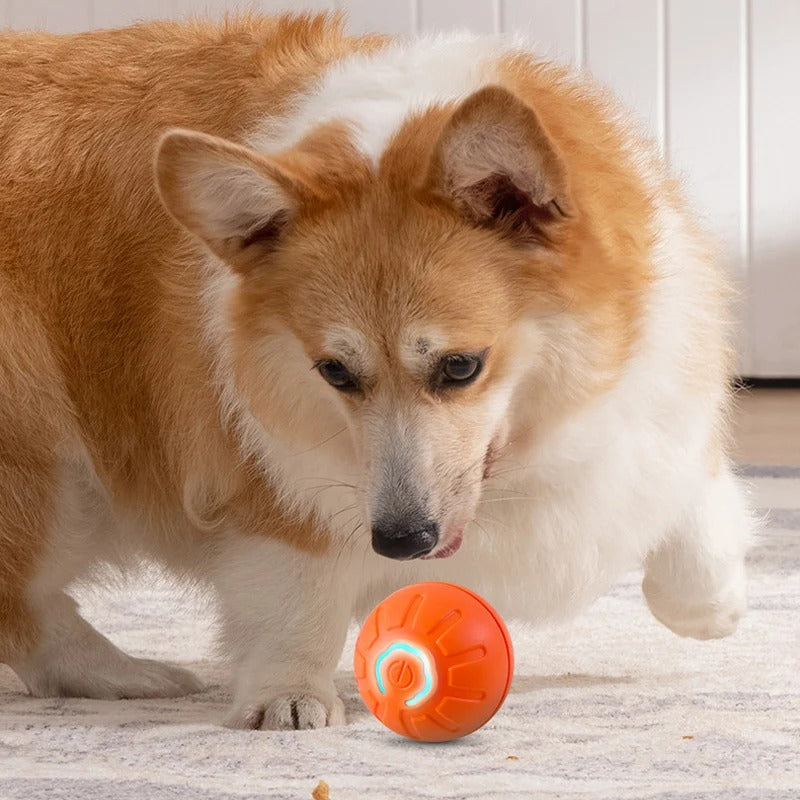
point(417, 652)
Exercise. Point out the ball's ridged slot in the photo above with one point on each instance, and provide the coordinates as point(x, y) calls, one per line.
point(445, 625)
point(443, 721)
point(407, 724)
point(478, 650)
point(373, 703)
point(360, 667)
point(463, 693)
point(409, 620)
point(375, 617)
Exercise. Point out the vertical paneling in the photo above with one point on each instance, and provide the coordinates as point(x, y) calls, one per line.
point(203, 7)
point(218, 7)
point(704, 99)
point(445, 15)
point(775, 198)
point(367, 16)
point(276, 6)
point(551, 25)
point(704, 111)
point(213, 8)
point(112, 15)
point(623, 50)
point(64, 17)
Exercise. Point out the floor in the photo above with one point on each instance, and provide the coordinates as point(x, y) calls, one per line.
point(610, 707)
point(768, 426)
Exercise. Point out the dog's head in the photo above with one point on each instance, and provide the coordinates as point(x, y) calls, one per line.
point(397, 301)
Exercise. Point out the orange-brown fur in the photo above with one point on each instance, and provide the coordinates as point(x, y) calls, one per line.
point(99, 311)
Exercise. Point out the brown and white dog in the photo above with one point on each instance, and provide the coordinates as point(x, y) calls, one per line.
point(384, 311)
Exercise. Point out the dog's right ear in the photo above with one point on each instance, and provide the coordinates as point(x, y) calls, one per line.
point(496, 163)
point(237, 201)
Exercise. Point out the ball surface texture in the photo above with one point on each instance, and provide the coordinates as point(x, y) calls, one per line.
point(434, 661)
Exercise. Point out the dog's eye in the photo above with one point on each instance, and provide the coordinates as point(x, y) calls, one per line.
point(337, 375)
point(459, 369)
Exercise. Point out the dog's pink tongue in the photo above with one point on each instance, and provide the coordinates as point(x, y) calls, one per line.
point(451, 548)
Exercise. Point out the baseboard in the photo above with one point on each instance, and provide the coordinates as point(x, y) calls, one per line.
point(766, 383)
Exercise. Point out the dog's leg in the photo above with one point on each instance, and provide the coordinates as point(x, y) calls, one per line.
point(62, 654)
point(73, 660)
point(695, 581)
point(285, 616)
point(27, 488)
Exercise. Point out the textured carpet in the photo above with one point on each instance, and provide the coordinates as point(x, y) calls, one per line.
point(609, 708)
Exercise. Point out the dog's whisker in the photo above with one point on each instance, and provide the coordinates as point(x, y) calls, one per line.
point(349, 540)
point(319, 444)
point(328, 480)
point(342, 511)
point(495, 521)
point(506, 500)
point(504, 489)
point(319, 487)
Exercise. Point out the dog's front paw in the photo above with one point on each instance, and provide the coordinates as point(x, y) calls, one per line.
point(710, 618)
point(288, 710)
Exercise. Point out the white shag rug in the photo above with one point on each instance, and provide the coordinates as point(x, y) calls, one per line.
point(610, 708)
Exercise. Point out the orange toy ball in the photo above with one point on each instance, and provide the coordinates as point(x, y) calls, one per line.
point(434, 662)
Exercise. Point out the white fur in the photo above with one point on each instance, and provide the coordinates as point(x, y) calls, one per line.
point(284, 632)
point(377, 93)
point(352, 348)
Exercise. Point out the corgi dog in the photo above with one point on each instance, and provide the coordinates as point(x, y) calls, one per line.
point(307, 317)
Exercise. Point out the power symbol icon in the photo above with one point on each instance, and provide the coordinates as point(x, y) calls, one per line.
point(395, 665)
point(400, 673)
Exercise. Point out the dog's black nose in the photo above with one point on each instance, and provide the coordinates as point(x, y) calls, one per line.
point(404, 539)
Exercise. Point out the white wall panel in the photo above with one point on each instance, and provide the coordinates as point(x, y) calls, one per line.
point(367, 16)
point(553, 25)
point(622, 49)
point(775, 171)
point(215, 7)
point(275, 6)
point(704, 138)
point(704, 109)
point(109, 14)
point(443, 15)
point(204, 7)
point(65, 17)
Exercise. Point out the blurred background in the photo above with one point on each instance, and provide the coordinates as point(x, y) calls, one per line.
point(715, 81)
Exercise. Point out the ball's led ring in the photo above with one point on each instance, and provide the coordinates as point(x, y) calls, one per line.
point(417, 652)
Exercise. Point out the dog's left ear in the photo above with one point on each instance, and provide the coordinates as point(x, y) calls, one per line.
point(495, 162)
point(237, 201)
